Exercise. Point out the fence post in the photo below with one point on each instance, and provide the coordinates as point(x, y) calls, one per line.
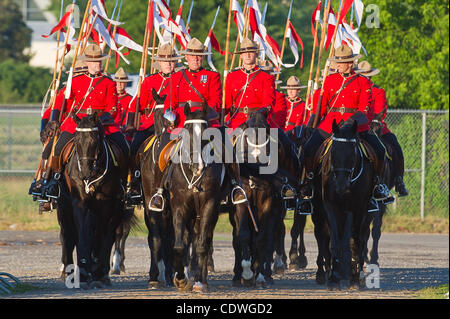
point(422, 183)
point(9, 141)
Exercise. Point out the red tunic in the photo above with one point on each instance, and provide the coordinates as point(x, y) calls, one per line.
point(103, 98)
point(295, 111)
point(259, 93)
point(342, 104)
point(58, 104)
point(209, 88)
point(147, 105)
point(380, 106)
point(120, 112)
point(279, 110)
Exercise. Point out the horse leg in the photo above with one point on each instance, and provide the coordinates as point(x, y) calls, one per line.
point(346, 252)
point(67, 236)
point(117, 256)
point(157, 271)
point(279, 265)
point(83, 221)
point(335, 223)
point(295, 230)
point(302, 261)
point(376, 234)
point(204, 239)
point(244, 243)
point(125, 232)
point(180, 226)
point(237, 269)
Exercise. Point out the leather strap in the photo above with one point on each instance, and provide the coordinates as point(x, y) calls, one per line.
point(183, 72)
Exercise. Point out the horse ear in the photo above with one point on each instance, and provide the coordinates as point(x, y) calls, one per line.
point(335, 127)
point(355, 127)
point(187, 109)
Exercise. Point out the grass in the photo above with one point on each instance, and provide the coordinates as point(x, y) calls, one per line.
point(19, 212)
point(439, 292)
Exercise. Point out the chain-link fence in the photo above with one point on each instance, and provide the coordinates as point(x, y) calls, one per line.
point(423, 136)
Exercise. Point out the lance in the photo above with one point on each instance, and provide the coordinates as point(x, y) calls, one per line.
point(189, 15)
point(321, 45)
point(238, 37)
point(143, 61)
point(54, 86)
point(311, 68)
point(225, 72)
point(284, 37)
point(175, 35)
point(327, 65)
point(114, 32)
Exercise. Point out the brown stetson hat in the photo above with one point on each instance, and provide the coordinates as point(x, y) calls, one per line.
point(293, 83)
point(344, 54)
point(248, 45)
point(166, 53)
point(195, 47)
point(121, 76)
point(80, 67)
point(93, 53)
point(364, 68)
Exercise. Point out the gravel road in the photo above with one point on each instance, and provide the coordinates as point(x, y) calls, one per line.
point(408, 262)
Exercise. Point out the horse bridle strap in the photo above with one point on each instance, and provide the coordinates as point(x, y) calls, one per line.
point(195, 122)
point(343, 140)
point(91, 129)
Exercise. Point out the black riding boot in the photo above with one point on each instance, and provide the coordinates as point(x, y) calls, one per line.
point(305, 206)
point(400, 187)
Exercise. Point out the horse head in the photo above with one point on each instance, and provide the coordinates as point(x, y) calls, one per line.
point(161, 121)
point(344, 155)
point(88, 143)
point(194, 125)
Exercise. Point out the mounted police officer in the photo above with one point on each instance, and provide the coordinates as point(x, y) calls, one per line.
point(347, 97)
point(91, 92)
point(162, 83)
point(378, 124)
point(295, 105)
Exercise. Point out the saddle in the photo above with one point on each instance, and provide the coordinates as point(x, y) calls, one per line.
point(167, 152)
point(324, 149)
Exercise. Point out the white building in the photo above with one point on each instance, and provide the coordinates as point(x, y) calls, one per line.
point(41, 21)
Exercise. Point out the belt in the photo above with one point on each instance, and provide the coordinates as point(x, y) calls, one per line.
point(90, 111)
point(247, 109)
point(192, 104)
point(343, 110)
point(290, 123)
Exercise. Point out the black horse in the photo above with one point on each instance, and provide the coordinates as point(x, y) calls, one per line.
point(196, 190)
point(94, 176)
point(159, 223)
point(346, 180)
point(286, 177)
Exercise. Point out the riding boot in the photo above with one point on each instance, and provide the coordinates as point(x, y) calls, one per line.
point(373, 207)
point(238, 195)
point(380, 191)
point(36, 185)
point(400, 187)
point(307, 189)
point(134, 194)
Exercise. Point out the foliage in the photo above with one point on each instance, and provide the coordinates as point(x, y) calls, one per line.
point(15, 35)
point(21, 83)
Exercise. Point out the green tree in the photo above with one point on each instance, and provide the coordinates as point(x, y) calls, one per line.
point(411, 49)
point(15, 36)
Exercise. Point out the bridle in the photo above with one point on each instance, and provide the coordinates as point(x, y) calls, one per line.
point(350, 171)
point(87, 183)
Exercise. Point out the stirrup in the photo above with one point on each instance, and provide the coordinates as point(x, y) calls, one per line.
point(284, 189)
point(381, 189)
point(301, 202)
point(156, 209)
point(53, 183)
point(389, 200)
point(238, 201)
point(375, 207)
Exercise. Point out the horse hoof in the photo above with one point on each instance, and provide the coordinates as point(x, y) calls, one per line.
point(154, 285)
point(182, 284)
point(199, 287)
point(279, 270)
point(96, 284)
point(321, 278)
point(106, 281)
point(261, 282)
point(236, 283)
point(302, 262)
point(333, 286)
point(115, 272)
point(211, 269)
point(344, 284)
point(84, 285)
point(247, 282)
